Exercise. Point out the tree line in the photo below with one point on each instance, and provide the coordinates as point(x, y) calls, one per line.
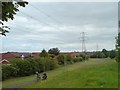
point(104, 54)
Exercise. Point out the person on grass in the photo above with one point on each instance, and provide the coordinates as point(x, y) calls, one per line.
point(38, 76)
point(44, 77)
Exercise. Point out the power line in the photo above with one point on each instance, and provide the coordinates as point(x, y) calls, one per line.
point(29, 30)
point(31, 17)
point(49, 16)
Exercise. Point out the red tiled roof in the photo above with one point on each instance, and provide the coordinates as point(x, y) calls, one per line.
point(8, 56)
point(36, 54)
point(13, 55)
point(4, 61)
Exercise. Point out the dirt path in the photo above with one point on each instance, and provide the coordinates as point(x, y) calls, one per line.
point(20, 86)
point(82, 65)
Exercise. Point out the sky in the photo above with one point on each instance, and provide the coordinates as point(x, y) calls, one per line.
point(45, 25)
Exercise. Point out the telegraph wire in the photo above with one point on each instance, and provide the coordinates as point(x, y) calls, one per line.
point(39, 20)
point(30, 31)
point(49, 16)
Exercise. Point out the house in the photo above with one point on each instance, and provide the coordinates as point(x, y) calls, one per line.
point(5, 57)
point(14, 55)
point(8, 56)
point(73, 54)
point(35, 54)
point(4, 61)
point(21, 54)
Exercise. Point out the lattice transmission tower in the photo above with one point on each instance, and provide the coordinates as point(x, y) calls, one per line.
point(83, 37)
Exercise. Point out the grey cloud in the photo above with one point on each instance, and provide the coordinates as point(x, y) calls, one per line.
point(98, 20)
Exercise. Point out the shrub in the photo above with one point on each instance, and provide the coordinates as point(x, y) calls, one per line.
point(118, 55)
point(93, 56)
point(46, 63)
point(105, 52)
point(118, 46)
point(112, 54)
point(61, 59)
point(83, 56)
point(98, 55)
point(52, 55)
point(78, 59)
point(34, 66)
point(44, 53)
point(69, 59)
point(8, 71)
point(24, 67)
point(27, 67)
point(40, 67)
point(53, 64)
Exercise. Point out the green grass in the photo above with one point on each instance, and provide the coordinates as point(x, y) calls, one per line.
point(94, 73)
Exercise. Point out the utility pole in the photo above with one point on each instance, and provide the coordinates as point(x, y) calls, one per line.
point(83, 42)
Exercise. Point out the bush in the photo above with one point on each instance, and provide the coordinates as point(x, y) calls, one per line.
point(34, 66)
point(83, 56)
point(98, 55)
point(52, 55)
point(69, 59)
point(53, 64)
point(118, 55)
point(118, 46)
point(45, 63)
point(61, 59)
point(28, 67)
point(44, 53)
point(78, 59)
point(40, 63)
point(105, 52)
point(24, 67)
point(112, 54)
point(93, 56)
point(8, 71)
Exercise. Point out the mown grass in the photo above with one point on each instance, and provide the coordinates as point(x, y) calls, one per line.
point(99, 75)
point(94, 73)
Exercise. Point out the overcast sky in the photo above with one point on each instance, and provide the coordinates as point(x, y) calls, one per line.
point(59, 24)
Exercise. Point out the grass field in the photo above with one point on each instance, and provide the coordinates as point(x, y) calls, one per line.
point(94, 73)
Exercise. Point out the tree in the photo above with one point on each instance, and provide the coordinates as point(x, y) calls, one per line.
point(54, 51)
point(100, 55)
point(44, 53)
point(9, 9)
point(84, 56)
point(118, 46)
point(4, 30)
point(105, 52)
point(112, 54)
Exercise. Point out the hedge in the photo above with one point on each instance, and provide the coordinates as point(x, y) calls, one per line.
point(27, 67)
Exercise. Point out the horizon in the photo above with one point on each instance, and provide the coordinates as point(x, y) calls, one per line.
point(47, 51)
